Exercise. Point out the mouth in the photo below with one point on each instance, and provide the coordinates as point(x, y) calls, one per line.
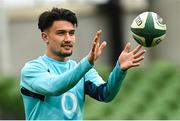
point(67, 46)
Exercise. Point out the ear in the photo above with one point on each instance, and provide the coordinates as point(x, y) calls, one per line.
point(45, 37)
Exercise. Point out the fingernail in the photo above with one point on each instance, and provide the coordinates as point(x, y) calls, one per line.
point(99, 30)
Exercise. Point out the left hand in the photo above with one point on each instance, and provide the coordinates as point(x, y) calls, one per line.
point(131, 59)
point(97, 48)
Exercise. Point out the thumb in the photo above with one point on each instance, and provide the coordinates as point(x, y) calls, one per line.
point(127, 47)
point(103, 45)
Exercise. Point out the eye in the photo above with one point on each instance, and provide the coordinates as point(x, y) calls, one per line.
point(61, 32)
point(71, 33)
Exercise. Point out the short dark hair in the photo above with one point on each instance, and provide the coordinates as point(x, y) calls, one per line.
point(47, 18)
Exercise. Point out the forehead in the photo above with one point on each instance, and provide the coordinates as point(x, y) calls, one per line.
point(65, 25)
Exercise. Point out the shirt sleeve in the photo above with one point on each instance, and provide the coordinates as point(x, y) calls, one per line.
point(101, 90)
point(36, 78)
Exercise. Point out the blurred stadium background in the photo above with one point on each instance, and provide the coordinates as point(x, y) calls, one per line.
point(151, 91)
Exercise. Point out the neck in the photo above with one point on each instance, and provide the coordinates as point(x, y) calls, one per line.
point(58, 58)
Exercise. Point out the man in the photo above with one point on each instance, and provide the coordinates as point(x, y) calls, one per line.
point(54, 86)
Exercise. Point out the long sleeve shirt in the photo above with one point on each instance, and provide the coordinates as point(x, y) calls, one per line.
point(64, 85)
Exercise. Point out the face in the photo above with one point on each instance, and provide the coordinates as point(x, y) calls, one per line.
point(60, 39)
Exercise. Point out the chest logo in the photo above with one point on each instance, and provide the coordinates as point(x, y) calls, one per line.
point(69, 103)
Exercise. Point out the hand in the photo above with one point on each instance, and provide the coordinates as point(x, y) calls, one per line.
point(97, 48)
point(130, 59)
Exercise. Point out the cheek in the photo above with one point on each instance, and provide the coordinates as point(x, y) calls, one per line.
point(74, 40)
point(56, 40)
point(54, 44)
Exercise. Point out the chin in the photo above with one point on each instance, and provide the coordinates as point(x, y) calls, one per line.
point(62, 54)
point(66, 54)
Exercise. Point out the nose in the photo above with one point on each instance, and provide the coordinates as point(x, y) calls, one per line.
point(67, 37)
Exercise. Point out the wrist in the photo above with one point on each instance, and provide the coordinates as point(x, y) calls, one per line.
point(123, 67)
point(90, 61)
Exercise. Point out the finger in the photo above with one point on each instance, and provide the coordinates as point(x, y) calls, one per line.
point(135, 64)
point(99, 32)
point(95, 37)
point(95, 40)
point(103, 45)
point(127, 47)
point(93, 47)
point(136, 49)
point(138, 59)
point(137, 55)
point(98, 35)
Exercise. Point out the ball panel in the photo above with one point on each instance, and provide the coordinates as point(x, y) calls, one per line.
point(149, 26)
point(158, 22)
point(157, 40)
point(139, 39)
point(139, 21)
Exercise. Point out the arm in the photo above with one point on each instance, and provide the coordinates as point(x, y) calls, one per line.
point(107, 91)
point(98, 89)
point(35, 77)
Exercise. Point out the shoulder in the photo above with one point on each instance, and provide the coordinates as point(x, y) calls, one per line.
point(35, 64)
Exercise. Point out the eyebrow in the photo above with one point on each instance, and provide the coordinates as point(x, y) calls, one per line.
point(60, 30)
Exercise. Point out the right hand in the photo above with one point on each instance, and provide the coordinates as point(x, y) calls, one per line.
point(97, 48)
point(129, 59)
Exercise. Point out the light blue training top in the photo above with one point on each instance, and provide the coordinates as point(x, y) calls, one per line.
point(64, 85)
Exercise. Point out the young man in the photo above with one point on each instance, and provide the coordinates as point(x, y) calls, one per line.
point(54, 86)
